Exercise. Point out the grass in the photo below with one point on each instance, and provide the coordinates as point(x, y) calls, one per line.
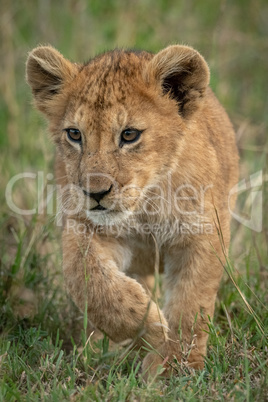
point(45, 349)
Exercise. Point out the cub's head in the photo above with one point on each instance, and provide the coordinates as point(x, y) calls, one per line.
point(118, 122)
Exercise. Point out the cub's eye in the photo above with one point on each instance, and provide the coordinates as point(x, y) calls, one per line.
point(129, 135)
point(73, 134)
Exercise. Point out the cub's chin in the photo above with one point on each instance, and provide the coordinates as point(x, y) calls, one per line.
point(108, 218)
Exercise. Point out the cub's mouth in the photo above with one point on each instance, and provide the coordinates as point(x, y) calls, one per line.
point(97, 197)
point(99, 208)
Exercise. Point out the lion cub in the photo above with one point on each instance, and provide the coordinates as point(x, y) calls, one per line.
point(146, 155)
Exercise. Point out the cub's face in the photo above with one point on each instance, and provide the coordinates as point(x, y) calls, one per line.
point(118, 122)
point(116, 139)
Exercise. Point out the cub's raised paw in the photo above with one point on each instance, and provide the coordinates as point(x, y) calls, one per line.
point(159, 363)
point(164, 363)
point(195, 361)
point(153, 366)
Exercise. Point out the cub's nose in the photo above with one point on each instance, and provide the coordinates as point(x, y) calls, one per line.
point(99, 195)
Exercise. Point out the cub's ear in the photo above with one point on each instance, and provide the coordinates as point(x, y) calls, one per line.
point(47, 71)
point(182, 73)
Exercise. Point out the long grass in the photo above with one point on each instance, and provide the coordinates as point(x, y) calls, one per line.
point(47, 351)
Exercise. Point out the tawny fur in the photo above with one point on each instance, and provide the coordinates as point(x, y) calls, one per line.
point(187, 144)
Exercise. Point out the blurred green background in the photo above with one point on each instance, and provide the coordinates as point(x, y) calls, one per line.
point(232, 35)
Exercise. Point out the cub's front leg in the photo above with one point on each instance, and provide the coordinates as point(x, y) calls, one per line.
point(116, 304)
point(192, 280)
